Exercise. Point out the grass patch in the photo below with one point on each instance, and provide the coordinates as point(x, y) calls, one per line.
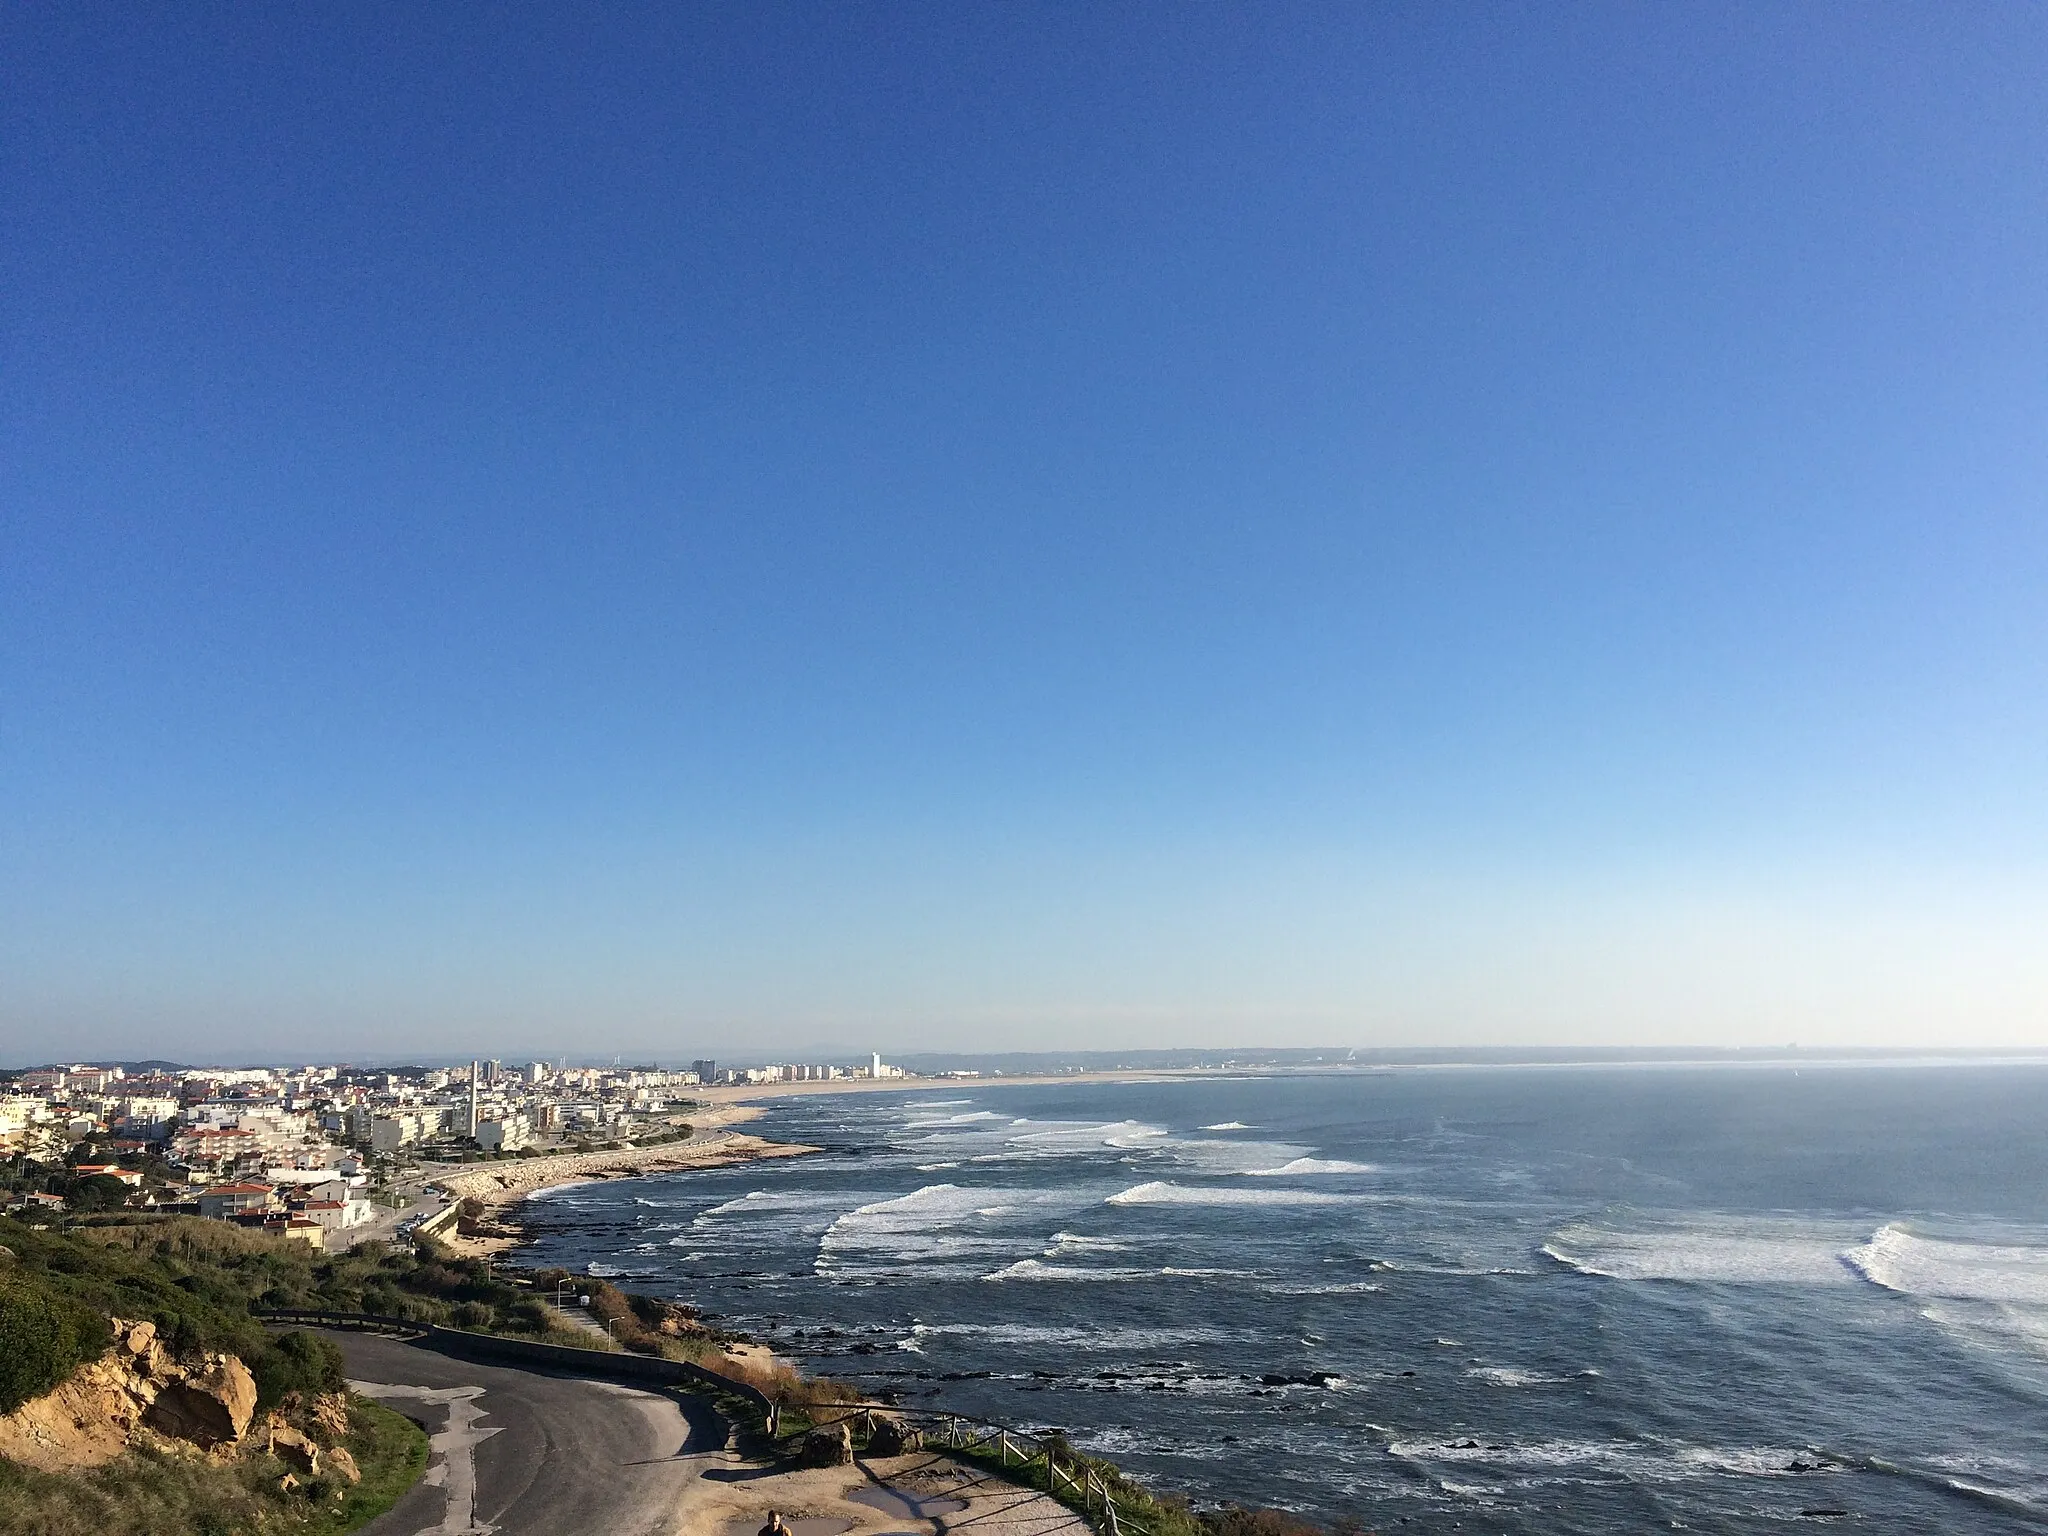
point(150, 1493)
point(391, 1452)
point(141, 1494)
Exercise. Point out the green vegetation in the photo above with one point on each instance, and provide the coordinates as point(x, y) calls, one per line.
point(306, 1363)
point(197, 1281)
point(47, 1336)
point(390, 1450)
point(234, 1270)
point(148, 1493)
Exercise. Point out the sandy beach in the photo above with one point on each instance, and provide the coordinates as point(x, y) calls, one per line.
point(501, 1186)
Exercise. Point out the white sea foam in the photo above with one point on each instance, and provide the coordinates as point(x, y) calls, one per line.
point(1302, 1166)
point(931, 1231)
point(1345, 1288)
point(1069, 1135)
point(1161, 1192)
point(1902, 1261)
point(778, 1203)
point(1212, 1155)
point(1228, 1125)
point(1731, 1251)
point(1122, 1340)
point(1516, 1376)
point(1534, 1463)
point(1038, 1269)
point(1077, 1242)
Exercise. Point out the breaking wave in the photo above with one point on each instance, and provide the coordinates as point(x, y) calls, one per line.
point(1307, 1165)
point(1902, 1261)
point(1162, 1192)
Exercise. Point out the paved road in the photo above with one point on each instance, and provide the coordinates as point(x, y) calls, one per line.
point(519, 1453)
point(383, 1226)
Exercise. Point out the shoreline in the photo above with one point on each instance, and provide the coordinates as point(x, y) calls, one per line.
point(501, 1188)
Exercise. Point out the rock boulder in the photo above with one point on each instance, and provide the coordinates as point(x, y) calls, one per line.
point(211, 1405)
point(831, 1446)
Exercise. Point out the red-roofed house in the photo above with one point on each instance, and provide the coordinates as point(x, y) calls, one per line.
point(132, 1177)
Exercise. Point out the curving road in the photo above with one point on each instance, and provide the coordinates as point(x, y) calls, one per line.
point(524, 1453)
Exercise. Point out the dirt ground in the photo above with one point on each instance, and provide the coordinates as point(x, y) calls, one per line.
point(923, 1494)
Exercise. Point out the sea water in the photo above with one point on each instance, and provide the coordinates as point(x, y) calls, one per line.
point(1504, 1300)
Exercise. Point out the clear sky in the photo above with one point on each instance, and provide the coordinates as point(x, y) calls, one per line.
point(748, 528)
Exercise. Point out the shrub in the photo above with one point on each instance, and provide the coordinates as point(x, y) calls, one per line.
point(44, 1337)
point(306, 1363)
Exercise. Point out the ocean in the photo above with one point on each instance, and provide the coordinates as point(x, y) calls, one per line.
point(1510, 1300)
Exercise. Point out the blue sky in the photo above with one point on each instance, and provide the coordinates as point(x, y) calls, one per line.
point(668, 528)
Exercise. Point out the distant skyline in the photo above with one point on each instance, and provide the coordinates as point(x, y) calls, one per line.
point(676, 529)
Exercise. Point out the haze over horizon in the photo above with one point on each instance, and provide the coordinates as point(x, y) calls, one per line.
point(1025, 527)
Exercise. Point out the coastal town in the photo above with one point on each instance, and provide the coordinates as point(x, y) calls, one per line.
point(333, 1155)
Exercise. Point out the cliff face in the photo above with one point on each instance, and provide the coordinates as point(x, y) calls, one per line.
point(137, 1389)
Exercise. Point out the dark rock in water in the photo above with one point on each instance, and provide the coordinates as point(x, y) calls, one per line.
point(1306, 1379)
point(867, 1349)
point(1466, 1445)
point(1407, 1373)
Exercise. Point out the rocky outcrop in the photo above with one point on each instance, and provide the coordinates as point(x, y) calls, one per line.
point(209, 1405)
point(136, 1389)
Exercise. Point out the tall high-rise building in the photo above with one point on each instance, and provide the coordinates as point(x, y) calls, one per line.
point(707, 1071)
point(474, 1073)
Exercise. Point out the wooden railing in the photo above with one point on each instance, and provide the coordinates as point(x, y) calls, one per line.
point(1032, 1460)
point(1075, 1484)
